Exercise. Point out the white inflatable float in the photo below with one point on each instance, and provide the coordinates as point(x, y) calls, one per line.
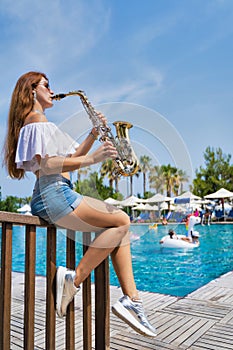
point(181, 241)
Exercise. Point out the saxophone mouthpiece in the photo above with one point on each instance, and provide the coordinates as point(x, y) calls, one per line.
point(58, 97)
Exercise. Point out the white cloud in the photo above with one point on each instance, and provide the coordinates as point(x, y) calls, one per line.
point(156, 28)
point(47, 34)
point(136, 87)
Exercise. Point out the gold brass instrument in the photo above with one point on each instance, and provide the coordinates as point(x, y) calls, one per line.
point(126, 163)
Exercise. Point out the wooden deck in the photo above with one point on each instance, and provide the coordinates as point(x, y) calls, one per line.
point(203, 320)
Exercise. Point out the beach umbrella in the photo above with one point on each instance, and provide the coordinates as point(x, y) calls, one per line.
point(179, 208)
point(131, 201)
point(26, 210)
point(188, 195)
point(204, 201)
point(140, 206)
point(185, 198)
point(194, 206)
point(158, 198)
point(220, 194)
point(164, 206)
point(151, 207)
point(112, 201)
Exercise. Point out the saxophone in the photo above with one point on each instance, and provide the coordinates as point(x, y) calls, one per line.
point(126, 164)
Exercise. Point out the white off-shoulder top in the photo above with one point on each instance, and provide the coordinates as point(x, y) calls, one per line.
point(44, 139)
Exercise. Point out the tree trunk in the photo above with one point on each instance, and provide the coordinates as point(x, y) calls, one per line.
point(131, 185)
point(116, 184)
point(111, 183)
point(144, 184)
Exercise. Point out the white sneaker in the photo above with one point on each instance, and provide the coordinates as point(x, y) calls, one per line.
point(66, 289)
point(133, 314)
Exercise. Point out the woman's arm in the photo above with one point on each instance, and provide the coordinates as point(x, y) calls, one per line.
point(55, 165)
point(86, 145)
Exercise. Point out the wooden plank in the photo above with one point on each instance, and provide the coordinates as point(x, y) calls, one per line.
point(180, 327)
point(228, 318)
point(219, 336)
point(160, 301)
point(199, 308)
point(22, 219)
point(87, 327)
point(169, 326)
point(70, 318)
point(212, 345)
point(193, 337)
point(5, 287)
point(29, 290)
point(204, 334)
point(126, 340)
point(102, 306)
point(222, 328)
point(51, 289)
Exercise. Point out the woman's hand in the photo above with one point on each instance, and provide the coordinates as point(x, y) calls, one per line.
point(105, 151)
point(103, 121)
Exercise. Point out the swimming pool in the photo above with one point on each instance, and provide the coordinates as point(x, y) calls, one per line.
point(156, 269)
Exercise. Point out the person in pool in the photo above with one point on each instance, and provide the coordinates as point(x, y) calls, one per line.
point(35, 144)
point(172, 234)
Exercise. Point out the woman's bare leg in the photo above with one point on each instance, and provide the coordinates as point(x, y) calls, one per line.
point(91, 216)
point(122, 263)
point(94, 216)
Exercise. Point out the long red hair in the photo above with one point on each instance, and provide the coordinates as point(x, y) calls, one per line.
point(21, 105)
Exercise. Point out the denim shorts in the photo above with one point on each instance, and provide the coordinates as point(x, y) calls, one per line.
point(53, 197)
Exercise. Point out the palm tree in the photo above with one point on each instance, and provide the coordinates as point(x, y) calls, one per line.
point(108, 169)
point(170, 174)
point(145, 165)
point(156, 179)
point(131, 181)
point(116, 181)
point(83, 171)
point(181, 177)
point(27, 200)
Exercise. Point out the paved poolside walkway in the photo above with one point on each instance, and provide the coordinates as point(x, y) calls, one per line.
point(203, 320)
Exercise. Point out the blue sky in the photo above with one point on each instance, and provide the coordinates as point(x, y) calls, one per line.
point(171, 57)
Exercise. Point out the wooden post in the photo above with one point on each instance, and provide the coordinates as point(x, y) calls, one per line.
point(102, 306)
point(87, 329)
point(70, 317)
point(51, 289)
point(29, 287)
point(5, 286)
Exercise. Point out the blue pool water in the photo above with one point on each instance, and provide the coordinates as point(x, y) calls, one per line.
point(156, 269)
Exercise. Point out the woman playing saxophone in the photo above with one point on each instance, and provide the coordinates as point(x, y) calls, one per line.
point(35, 144)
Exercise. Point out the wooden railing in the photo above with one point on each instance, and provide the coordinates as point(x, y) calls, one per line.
point(102, 302)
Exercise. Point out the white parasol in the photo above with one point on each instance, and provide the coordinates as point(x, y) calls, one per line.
point(220, 194)
point(112, 201)
point(189, 195)
point(158, 198)
point(131, 201)
point(140, 206)
point(26, 210)
point(151, 207)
